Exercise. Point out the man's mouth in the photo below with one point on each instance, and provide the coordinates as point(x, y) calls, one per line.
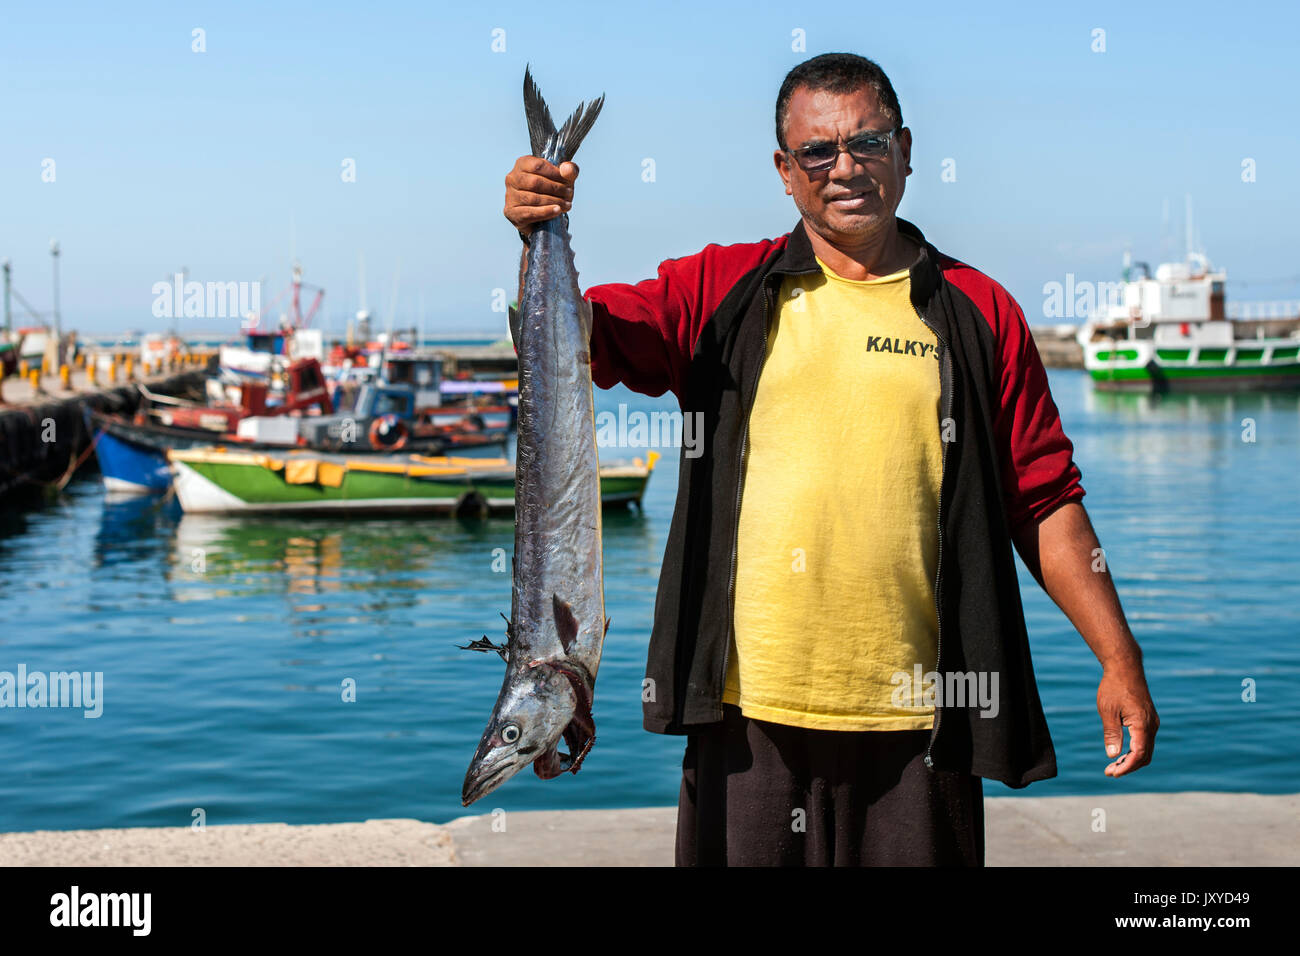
point(854, 200)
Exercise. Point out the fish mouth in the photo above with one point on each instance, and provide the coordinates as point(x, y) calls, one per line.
point(479, 785)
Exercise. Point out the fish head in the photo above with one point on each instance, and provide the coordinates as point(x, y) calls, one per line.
point(536, 705)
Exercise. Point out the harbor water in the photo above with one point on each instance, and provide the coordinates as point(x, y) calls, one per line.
point(305, 669)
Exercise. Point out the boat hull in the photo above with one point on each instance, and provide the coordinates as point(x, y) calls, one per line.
point(133, 458)
point(131, 468)
point(1143, 366)
point(217, 481)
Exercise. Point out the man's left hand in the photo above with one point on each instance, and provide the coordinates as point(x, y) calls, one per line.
point(1123, 700)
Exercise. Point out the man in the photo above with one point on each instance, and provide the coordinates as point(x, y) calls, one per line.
point(838, 628)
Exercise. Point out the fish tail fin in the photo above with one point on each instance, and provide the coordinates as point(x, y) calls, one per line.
point(562, 146)
point(540, 125)
point(576, 128)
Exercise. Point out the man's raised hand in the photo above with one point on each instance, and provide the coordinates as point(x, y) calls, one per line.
point(537, 191)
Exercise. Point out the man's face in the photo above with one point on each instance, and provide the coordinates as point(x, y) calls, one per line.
point(854, 199)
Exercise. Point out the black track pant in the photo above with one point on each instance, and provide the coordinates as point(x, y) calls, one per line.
point(761, 794)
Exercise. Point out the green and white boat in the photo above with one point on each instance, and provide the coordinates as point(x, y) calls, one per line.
point(221, 480)
point(1172, 333)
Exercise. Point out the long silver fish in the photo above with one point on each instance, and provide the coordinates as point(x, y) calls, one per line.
point(557, 624)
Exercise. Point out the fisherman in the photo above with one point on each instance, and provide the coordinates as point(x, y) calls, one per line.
point(839, 631)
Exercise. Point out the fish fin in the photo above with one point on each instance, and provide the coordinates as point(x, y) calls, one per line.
point(510, 628)
point(608, 622)
point(513, 315)
point(575, 129)
point(566, 622)
point(587, 319)
point(484, 645)
point(540, 125)
point(556, 147)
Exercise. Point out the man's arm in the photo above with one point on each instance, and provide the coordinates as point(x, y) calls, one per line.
point(1063, 554)
point(642, 335)
point(1050, 528)
point(637, 331)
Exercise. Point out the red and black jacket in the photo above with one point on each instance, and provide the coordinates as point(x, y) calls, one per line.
point(700, 330)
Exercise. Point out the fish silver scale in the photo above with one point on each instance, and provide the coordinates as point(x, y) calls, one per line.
point(557, 478)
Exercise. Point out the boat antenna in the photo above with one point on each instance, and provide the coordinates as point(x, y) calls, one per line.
point(392, 311)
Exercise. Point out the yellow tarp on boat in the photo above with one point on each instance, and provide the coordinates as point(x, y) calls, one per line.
point(331, 475)
point(301, 472)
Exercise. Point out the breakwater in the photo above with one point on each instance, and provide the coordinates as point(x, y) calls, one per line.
point(44, 436)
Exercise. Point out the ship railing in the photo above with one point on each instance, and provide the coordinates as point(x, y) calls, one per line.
point(1276, 309)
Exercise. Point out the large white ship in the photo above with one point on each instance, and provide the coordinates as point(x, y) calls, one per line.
point(1171, 332)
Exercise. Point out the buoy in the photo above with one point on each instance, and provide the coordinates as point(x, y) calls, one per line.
point(388, 427)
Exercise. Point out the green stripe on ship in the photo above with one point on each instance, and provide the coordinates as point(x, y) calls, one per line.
point(1176, 371)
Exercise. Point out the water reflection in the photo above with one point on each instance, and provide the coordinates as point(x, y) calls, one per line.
point(1188, 407)
point(132, 527)
point(216, 556)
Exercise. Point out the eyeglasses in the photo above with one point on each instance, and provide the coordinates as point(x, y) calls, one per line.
point(821, 156)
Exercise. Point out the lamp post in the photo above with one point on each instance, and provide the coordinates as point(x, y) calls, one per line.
point(58, 331)
point(9, 322)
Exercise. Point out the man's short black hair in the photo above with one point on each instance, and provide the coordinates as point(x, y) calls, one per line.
point(837, 73)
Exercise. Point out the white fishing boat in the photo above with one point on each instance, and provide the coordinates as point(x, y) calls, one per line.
point(1171, 332)
point(268, 348)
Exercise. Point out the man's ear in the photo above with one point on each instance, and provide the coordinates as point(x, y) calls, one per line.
point(783, 170)
point(905, 146)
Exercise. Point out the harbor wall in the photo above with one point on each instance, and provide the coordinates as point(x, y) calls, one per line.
point(42, 436)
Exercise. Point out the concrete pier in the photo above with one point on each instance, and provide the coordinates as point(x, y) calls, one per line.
point(43, 431)
point(1147, 829)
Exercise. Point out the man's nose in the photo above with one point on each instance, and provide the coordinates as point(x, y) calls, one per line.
point(846, 167)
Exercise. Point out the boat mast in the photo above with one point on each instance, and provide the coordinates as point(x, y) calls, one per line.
point(54, 254)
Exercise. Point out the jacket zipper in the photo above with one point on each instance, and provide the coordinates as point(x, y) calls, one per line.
point(740, 490)
point(944, 382)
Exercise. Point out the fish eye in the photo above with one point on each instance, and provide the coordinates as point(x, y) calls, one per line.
point(510, 733)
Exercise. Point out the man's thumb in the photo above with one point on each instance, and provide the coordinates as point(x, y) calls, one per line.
point(1112, 733)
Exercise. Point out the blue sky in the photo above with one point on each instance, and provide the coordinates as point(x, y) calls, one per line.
point(229, 161)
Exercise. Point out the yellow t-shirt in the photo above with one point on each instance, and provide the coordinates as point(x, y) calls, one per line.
point(838, 540)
